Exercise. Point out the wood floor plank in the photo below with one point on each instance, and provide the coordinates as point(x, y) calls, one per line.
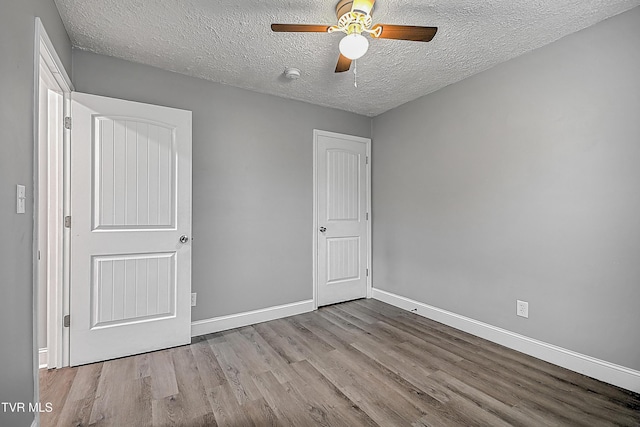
point(163, 383)
point(431, 399)
point(353, 310)
point(497, 408)
point(116, 375)
point(54, 389)
point(251, 360)
point(211, 373)
point(297, 343)
point(285, 403)
point(236, 372)
point(126, 403)
point(411, 372)
point(321, 411)
point(360, 363)
point(75, 413)
point(279, 343)
point(226, 410)
point(85, 382)
point(316, 383)
point(278, 365)
point(143, 368)
point(329, 332)
point(347, 318)
point(329, 314)
point(388, 408)
point(190, 405)
point(307, 341)
point(260, 413)
point(79, 403)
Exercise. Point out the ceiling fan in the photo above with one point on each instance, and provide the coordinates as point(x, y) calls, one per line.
point(354, 18)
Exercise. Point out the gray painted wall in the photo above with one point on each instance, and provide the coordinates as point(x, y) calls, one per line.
point(522, 182)
point(252, 180)
point(17, 24)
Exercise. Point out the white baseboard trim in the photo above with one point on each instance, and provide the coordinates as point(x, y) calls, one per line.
point(599, 369)
point(43, 358)
point(222, 323)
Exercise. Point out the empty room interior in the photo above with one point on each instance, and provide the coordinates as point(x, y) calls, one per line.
point(339, 213)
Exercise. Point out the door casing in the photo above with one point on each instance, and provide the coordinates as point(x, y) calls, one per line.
point(367, 142)
point(45, 56)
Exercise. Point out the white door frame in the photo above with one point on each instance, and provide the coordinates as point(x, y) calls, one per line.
point(367, 142)
point(57, 299)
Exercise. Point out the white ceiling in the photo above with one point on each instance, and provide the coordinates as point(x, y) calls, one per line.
point(230, 41)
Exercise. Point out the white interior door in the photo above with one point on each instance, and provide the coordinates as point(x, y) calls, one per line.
point(342, 229)
point(130, 205)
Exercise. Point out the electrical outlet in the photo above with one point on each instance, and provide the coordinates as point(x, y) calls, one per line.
point(193, 299)
point(522, 308)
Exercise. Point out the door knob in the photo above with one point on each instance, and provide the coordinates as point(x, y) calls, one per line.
point(184, 238)
point(323, 229)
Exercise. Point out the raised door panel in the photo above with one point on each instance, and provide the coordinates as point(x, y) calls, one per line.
point(132, 288)
point(134, 174)
point(343, 259)
point(343, 186)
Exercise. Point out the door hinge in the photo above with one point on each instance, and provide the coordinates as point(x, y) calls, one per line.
point(67, 221)
point(67, 123)
point(66, 321)
point(367, 272)
point(367, 160)
point(367, 216)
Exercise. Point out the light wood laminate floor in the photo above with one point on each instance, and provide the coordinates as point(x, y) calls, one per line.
point(361, 363)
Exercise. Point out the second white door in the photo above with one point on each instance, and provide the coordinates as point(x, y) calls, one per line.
point(341, 212)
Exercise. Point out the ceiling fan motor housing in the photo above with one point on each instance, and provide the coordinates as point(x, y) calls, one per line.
point(343, 6)
point(354, 17)
point(364, 7)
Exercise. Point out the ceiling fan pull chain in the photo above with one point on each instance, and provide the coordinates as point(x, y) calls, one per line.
point(355, 73)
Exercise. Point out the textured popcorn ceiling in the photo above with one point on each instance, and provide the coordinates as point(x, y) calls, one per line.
point(231, 42)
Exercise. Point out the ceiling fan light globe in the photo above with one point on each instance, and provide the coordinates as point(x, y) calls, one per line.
point(354, 46)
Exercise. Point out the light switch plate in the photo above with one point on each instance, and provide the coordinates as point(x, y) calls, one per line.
point(21, 199)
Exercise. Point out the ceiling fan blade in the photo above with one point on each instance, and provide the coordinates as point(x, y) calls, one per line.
point(299, 28)
point(406, 32)
point(343, 65)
